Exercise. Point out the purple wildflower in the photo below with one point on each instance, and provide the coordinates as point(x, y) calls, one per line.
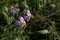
point(13, 11)
point(27, 18)
point(21, 23)
point(18, 23)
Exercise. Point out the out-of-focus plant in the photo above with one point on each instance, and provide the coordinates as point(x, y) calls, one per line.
point(18, 23)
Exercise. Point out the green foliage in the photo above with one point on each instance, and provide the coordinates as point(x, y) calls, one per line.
point(6, 18)
point(47, 17)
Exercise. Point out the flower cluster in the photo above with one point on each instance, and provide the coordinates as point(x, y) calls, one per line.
point(21, 22)
point(14, 9)
point(27, 16)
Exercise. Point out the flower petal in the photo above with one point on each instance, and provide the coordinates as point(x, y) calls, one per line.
point(21, 19)
point(27, 18)
point(28, 13)
point(13, 11)
point(18, 23)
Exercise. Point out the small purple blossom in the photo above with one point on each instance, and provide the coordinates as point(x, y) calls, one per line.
point(13, 11)
point(18, 23)
point(28, 13)
point(27, 18)
point(21, 23)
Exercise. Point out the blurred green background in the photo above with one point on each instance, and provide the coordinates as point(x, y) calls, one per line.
point(45, 25)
